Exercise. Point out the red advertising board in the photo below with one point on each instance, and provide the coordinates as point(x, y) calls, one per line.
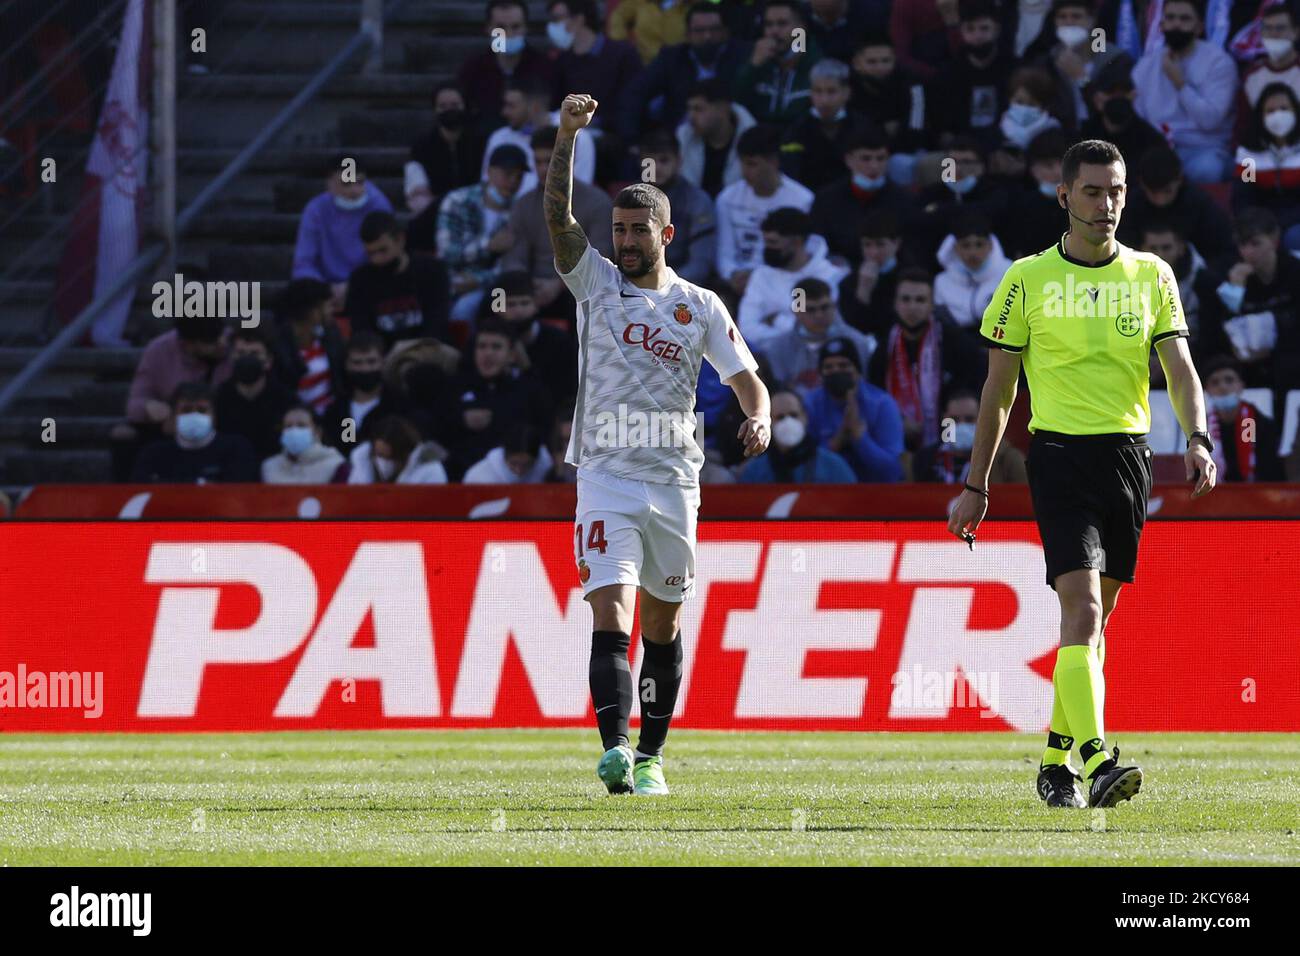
point(848, 625)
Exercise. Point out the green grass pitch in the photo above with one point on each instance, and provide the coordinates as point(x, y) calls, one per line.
point(510, 797)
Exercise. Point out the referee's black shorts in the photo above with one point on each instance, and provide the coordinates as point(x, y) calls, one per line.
point(1090, 500)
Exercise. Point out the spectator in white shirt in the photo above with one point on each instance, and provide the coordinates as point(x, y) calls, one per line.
point(709, 135)
point(744, 205)
point(973, 265)
point(1186, 90)
point(524, 109)
point(520, 459)
point(790, 253)
point(396, 455)
point(304, 460)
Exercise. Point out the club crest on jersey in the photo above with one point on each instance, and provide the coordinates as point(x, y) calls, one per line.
point(682, 314)
point(584, 571)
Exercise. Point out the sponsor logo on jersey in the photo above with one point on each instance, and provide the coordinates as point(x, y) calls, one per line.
point(649, 339)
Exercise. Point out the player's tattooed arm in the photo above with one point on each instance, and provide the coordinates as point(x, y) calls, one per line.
point(567, 238)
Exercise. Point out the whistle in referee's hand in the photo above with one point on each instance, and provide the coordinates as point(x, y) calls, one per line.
point(970, 539)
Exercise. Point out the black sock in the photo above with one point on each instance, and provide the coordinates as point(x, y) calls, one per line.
point(661, 675)
point(610, 676)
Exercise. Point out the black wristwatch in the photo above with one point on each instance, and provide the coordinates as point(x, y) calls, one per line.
point(1204, 438)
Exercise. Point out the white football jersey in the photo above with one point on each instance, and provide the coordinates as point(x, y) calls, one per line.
point(638, 365)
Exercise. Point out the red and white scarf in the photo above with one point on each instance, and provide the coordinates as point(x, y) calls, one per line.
point(1242, 449)
point(916, 387)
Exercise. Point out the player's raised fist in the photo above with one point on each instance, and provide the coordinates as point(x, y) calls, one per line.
point(576, 111)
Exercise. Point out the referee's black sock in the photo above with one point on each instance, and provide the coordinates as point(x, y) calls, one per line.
point(661, 676)
point(610, 676)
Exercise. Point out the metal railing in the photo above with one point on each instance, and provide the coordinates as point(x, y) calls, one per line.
point(368, 35)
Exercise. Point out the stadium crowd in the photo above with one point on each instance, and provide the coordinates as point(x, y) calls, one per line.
point(852, 176)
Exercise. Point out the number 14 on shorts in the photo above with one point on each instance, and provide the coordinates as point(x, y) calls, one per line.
point(595, 538)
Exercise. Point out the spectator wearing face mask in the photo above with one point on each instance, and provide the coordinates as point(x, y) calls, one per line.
point(366, 398)
point(858, 190)
point(1270, 151)
point(196, 453)
point(794, 457)
point(329, 243)
point(484, 76)
point(659, 94)
point(814, 144)
point(396, 455)
point(790, 254)
point(948, 460)
point(1027, 113)
point(445, 158)
point(1110, 95)
point(251, 402)
point(963, 186)
point(520, 459)
point(589, 60)
point(487, 396)
point(474, 229)
point(396, 294)
point(537, 348)
point(968, 95)
point(1069, 53)
point(1036, 220)
point(1280, 64)
point(303, 460)
point(743, 205)
point(973, 265)
point(1245, 439)
point(893, 100)
point(1186, 90)
point(854, 419)
point(795, 355)
point(923, 355)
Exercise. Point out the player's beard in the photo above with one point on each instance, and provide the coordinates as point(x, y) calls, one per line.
point(642, 267)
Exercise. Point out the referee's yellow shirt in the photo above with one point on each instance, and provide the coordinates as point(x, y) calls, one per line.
point(1085, 333)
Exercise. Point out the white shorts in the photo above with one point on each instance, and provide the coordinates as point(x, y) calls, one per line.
point(636, 532)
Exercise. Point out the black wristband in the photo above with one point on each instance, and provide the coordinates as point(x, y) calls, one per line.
point(978, 491)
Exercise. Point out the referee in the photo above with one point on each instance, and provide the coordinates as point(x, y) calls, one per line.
point(1082, 317)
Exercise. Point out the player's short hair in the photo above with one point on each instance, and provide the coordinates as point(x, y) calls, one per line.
point(1252, 222)
point(645, 196)
point(659, 140)
point(515, 282)
point(970, 10)
point(761, 140)
point(830, 69)
point(193, 392)
point(971, 223)
point(543, 137)
point(364, 340)
point(788, 221)
point(914, 274)
point(714, 89)
point(1093, 152)
point(1159, 167)
point(378, 224)
point(881, 224)
point(813, 288)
